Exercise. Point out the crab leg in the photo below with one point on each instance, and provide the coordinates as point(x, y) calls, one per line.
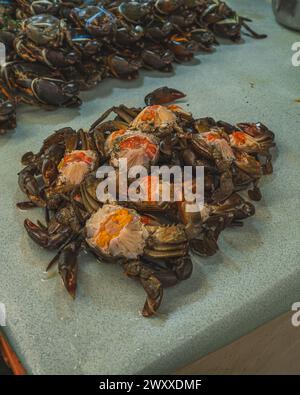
point(126, 114)
point(68, 266)
point(253, 33)
point(151, 284)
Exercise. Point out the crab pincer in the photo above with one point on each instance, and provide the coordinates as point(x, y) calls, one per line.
point(50, 238)
point(163, 95)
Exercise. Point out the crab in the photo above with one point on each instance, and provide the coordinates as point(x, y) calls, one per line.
point(84, 42)
point(150, 234)
point(223, 21)
point(135, 12)
point(7, 110)
point(155, 119)
point(35, 7)
point(64, 160)
point(46, 30)
point(129, 36)
point(115, 233)
point(255, 138)
point(167, 6)
point(157, 58)
point(137, 147)
point(241, 146)
point(96, 20)
point(37, 84)
point(119, 67)
point(46, 39)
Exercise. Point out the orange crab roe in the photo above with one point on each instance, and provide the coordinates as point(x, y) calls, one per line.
point(112, 227)
point(75, 157)
point(136, 142)
point(117, 133)
point(212, 137)
point(149, 113)
point(174, 107)
point(239, 137)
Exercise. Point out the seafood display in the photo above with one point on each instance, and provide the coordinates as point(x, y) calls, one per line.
point(152, 239)
point(56, 48)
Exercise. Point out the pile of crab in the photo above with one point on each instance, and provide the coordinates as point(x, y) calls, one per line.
point(55, 48)
point(152, 239)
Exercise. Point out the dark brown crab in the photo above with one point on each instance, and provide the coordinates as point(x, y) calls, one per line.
point(46, 30)
point(203, 228)
point(46, 39)
point(37, 84)
point(135, 12)
point(7, 110)
point(35, 7)
point(128, 36)
point(119, 67)
point(96, 20)
point(89, 41)
point(223, 21)
point(167, 7)
point(157, 58)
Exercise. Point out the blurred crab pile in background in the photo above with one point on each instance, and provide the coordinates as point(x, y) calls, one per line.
point(55, 48)
point(151, 238)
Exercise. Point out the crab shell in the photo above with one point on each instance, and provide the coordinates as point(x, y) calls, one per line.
point(213, 138)
point(43, 29)
point(151, 191)
point(115, 231)
point(75, 165)
point(137, 147)
point(154, 117)
point(244, 142)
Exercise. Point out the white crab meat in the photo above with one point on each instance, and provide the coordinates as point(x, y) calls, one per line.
point(213, 138)
point(150, 190)
point(154, 116)
point(136, 147)
point(117, 231)
point(112, 138)
point(242, 141)
point(75, 165)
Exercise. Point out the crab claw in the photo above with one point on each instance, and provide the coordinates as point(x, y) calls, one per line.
point(120, 68)
point(205, 247)
point(163, 95)
point(183, 267)
point(45, 239)
point(55, 92)
point(68, 267)
point(226, 188)
point(29, 185)
point(151, 284)
point(154, 290)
